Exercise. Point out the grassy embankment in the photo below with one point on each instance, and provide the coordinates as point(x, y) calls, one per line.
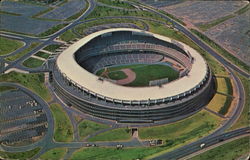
point(87, 127)
point(9, 45)
point(63, 127)
point(23, 52)
point(54, 154)
point(19, 155)
point(33, 81)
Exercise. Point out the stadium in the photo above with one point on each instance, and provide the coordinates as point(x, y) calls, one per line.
point(132, 76)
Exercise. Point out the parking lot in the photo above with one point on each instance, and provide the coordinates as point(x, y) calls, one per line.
point(22, 119)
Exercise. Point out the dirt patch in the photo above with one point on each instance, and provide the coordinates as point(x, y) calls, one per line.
point(130, 77)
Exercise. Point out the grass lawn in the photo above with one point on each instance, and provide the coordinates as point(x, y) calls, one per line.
point(224, 85)
point(6, 88)
point(63, 127)
point(117, 3)
point(195, 126)
point(33, 81)
point(82, 27)
point(146, 73)
point(87, 127)
point(19, 155)
point(119, 134)
point(23, 52)
point(217, 102)
point(9, 45)
point(244, 119)
point(231, 150)
point(222, 51)
point(33, 62)
point(54, 154)
point(52, 47)
point(114, 154)
point(52, 30)
point(101, 11)
point(68, 36)
point(42, 54)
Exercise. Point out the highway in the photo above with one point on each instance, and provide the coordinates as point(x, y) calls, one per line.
point(195, 147)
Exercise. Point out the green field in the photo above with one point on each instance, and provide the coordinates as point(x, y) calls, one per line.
point(63, 131)
point(68, 36)
point(19, 155)
point(54, 154)
point(195, 126)
point(228, 151)
point(144, 73)
point(224, 85)
point(52, 47)
point(114, 154)
point(119, 134)
point(87, 127)
point(217, 102)
point(101, 11)
point(117, 3)
point(33, 81)
point(42, 55)
point(23, 52)
point(81, 28)
point(9, 45)
point(33, 62)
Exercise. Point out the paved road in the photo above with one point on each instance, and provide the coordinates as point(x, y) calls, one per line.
point(194, 147)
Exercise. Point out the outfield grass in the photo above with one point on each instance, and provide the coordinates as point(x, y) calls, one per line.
point(244, 119)
point(63, 127)
point(52, 30)
point(9, 45)
point(33, 81)
point(82, 27)
point(145, 73)
point(42, 55)
point(54, 154)
point(19, 155)
point(119, 134)
point(222, 51)
point(33, 62)
point(68, 36)
point(114, 154)
point(101, 11)
point(52, 47)
point(87, 127)
point(117, 3)
point(195, 126)
point(6, 88)
point(228, 151)
point(23, 52)
point(217, 102)
point(117, 75)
